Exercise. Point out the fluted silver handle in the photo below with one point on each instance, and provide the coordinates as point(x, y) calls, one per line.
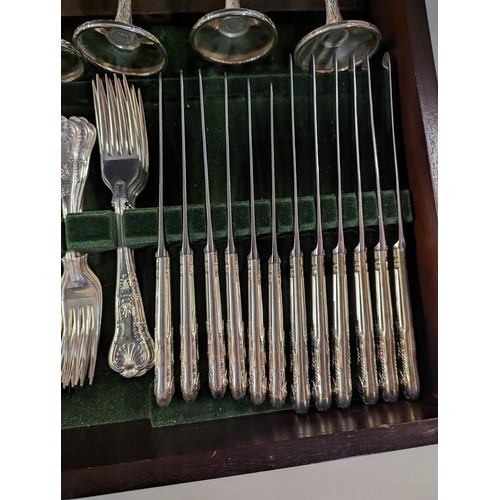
point(341, 351)
point(276, 337)
point(217, 373)
point(299, 363)
point(332, 11)
point(405, 335)
point(384, 329)
point(256, 335)
point(164, 356)
point(363, 324)
point(190, 376)
point(320, 345)
point(235, 329)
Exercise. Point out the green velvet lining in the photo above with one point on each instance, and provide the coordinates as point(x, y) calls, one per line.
point(96, 231)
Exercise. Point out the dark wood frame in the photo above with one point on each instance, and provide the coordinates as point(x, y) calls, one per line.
point(128, 456)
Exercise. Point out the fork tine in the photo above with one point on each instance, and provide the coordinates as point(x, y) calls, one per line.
point(75, 339)
point(113, 125)
point(142, 127)
point(121, 116)
point(101, 115)
point(129, 114)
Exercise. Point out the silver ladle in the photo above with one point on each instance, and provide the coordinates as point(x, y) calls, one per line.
point(72, 65)
point(120, 46)
point(337, 37)
point(233, 35)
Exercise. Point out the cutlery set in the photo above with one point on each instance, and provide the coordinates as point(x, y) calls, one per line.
point(247, 354)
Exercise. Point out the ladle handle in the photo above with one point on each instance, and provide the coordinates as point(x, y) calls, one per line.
point(256, 335)
point(190, 377)
point(405, 335)
point(299, 362)
point(341, 352)
point(276, 337)
point(232, 4)
point(124, 11)
point(235, 329)
point(384, 329)
point(365, 341)
point(217, 374)
point(322, 386)
point(164, 357)
point(332, 11)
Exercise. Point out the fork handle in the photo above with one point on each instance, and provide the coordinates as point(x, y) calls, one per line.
point(132, 348)
point(164, 358)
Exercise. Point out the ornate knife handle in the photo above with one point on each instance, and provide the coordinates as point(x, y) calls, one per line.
point(235, 329)
point(256, 335)
point(217, 374)
point(190, 376)
point(164, 357)
point(299, 363)
point(341, 352)
point(405, 335)
point(132, 349)
point(322, 385)
point(276, 338)
point(365, 340)
point(384, 329)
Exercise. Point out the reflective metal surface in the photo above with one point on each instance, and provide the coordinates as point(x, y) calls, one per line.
point(405, 334)
point(72, 65)
point(384, 326)
point(337, 37)
point(233, 35)
point(119, 46)
point(81, 291)
point(164, 343)
point(124, 169)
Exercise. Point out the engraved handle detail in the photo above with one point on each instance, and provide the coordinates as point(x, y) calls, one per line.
point(217, 374)
point(341, 352)
point(365, 340)
point(235, 329)
point(124, 11)
point(189, 357)
point(332, 11)
point(232, 4)
point(276, 338)
point(299, 363)
point(405, 335)
point(164, 357)
point(386, 349)
point(132, 349)
point(256, 335)
point(322, 386)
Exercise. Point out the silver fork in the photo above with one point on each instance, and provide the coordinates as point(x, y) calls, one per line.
point(124, 167)
point(81, 293)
